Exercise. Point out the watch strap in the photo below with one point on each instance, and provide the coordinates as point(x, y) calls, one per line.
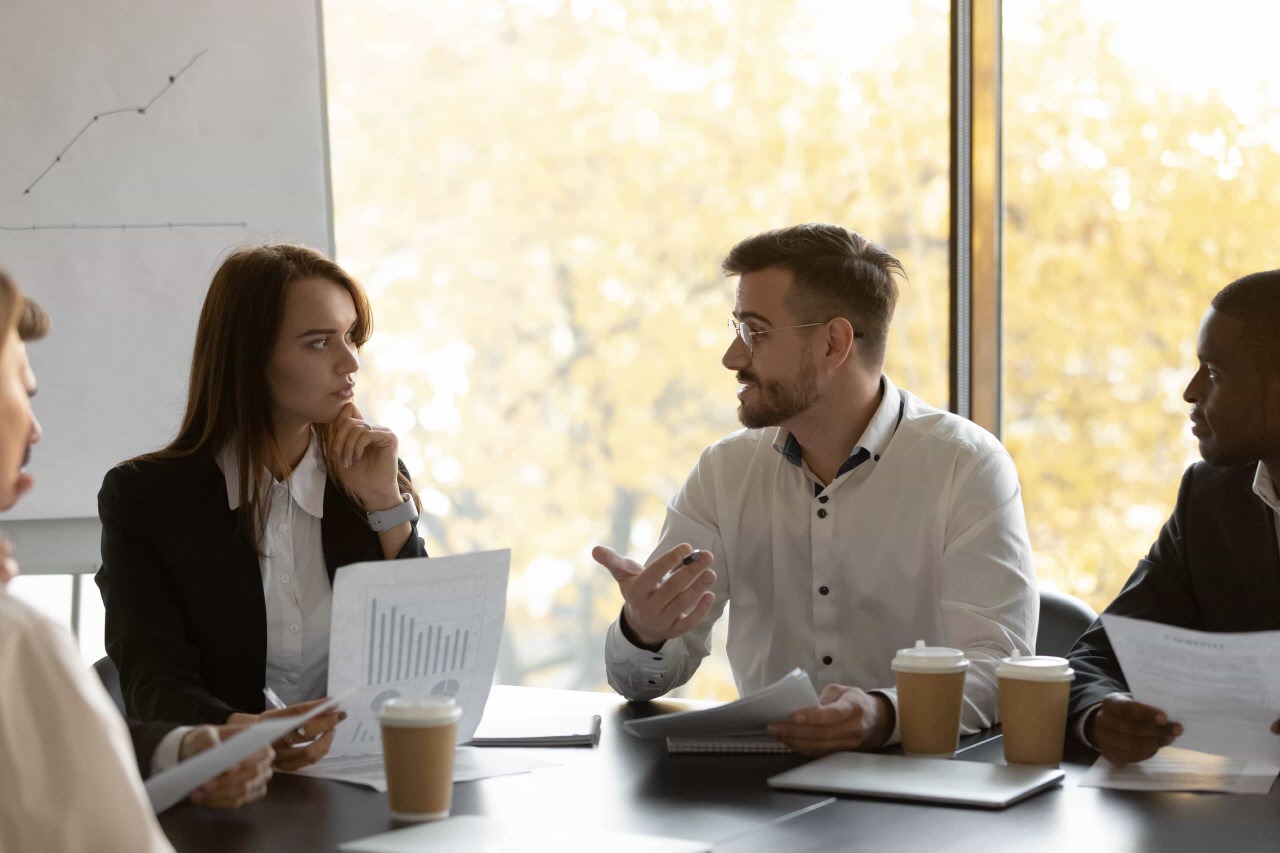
point(385, 519)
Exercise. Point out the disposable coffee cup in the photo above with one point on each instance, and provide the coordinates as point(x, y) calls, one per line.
point(418, 737)
point(930, 683)
point(1033, 708)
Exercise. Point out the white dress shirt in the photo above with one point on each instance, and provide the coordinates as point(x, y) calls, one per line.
point(925, 540)
point(295, 581)
point(70, 779)
point(1265, 489)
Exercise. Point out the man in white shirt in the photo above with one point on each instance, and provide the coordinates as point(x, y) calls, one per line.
point(64, 747)
point(848, 520)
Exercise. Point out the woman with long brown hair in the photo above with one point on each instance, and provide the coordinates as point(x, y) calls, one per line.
point(219, 550)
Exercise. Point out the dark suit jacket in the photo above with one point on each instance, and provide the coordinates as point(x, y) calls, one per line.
point(146, 737)
point(1214, 567)
point(186, 620)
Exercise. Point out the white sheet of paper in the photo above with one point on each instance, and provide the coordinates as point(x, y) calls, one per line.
point(414, 628)
point(748, 715)
point(172, 785)
point(469, 764)
point(1224, 689)
point(1173, 769)
point(493, 835)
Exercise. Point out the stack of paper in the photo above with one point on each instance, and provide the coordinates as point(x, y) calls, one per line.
point(1223, 689)
point(748, 715)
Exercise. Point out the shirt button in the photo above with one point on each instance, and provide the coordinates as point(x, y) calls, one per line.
point(282, 527)
point(294, 628)
point(827, 660)
point(822, 513)
point(279, 488)
point(823, 590)
point(824, 499)
point(284, 579)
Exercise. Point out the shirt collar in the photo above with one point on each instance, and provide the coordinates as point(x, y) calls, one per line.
point(306, 483)
point(875, 438)
point(1265, 488)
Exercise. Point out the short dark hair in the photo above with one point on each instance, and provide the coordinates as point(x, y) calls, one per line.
point(21, 312)
point(1255, 301)
point(838, 273)
point(33, 322)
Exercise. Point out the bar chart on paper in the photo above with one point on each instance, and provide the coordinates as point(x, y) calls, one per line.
point(430, 643)
point(414, 628)
point(407, 646)
point(430, 639)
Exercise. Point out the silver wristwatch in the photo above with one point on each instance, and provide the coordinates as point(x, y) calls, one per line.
point(385, 519)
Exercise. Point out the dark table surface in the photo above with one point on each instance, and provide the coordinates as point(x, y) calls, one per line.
point(632, 785)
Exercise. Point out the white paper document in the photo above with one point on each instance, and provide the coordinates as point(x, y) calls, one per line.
point(490, 835)
point(1224, 689)
point(1173, 769)
point(748, 715)
point(423, 627)
point(469, 764)
point(172, 785)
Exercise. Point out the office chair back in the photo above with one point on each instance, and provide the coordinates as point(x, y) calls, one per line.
point(1063, 618)
point(110, 679)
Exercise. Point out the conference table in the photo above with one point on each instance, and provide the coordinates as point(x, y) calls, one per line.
point(631, 785)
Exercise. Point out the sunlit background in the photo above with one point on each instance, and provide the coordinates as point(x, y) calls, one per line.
point(537, 196)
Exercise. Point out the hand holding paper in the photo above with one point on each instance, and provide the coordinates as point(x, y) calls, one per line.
point(1125, 730)
point(846, 718)
point(309, 743)
point(1223, 689)
point(171, 786)
point(241, 784)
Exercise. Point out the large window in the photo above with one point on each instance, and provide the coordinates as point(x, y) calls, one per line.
point(1142, 175)
point(538, 193)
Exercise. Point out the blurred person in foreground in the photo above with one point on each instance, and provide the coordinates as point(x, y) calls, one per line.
point(1216, 563)
point(847, 520)
point(73, 781)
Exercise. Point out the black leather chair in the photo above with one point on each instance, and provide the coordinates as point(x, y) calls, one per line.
point(1063, 618)
point(110, 679)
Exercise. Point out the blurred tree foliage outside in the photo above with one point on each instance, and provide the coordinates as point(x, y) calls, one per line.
point(1128, 205)
point(537, 195)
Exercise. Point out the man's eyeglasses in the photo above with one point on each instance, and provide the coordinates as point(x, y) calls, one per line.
point(747, 335)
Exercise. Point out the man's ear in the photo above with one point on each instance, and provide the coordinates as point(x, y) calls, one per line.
point(840, 342)
point(1271, 399)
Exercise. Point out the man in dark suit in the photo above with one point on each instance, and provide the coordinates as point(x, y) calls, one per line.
point(1216, 563)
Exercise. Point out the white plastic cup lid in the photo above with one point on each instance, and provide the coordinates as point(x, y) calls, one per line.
point(1035, 668)
point(922, 658)
point(419, 711)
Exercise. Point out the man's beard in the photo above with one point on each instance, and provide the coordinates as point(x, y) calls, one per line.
point(779, 399)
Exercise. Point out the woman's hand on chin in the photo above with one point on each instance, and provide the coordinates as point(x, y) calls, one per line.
point(365, 456)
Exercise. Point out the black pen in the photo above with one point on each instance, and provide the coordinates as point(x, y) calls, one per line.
point(695, 554)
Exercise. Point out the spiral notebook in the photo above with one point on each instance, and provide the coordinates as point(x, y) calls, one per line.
point(752, 743)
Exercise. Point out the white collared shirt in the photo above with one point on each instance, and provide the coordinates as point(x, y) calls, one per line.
point(1265, 488)
point(295, 581)
point(925, 540)
point(70, 778)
